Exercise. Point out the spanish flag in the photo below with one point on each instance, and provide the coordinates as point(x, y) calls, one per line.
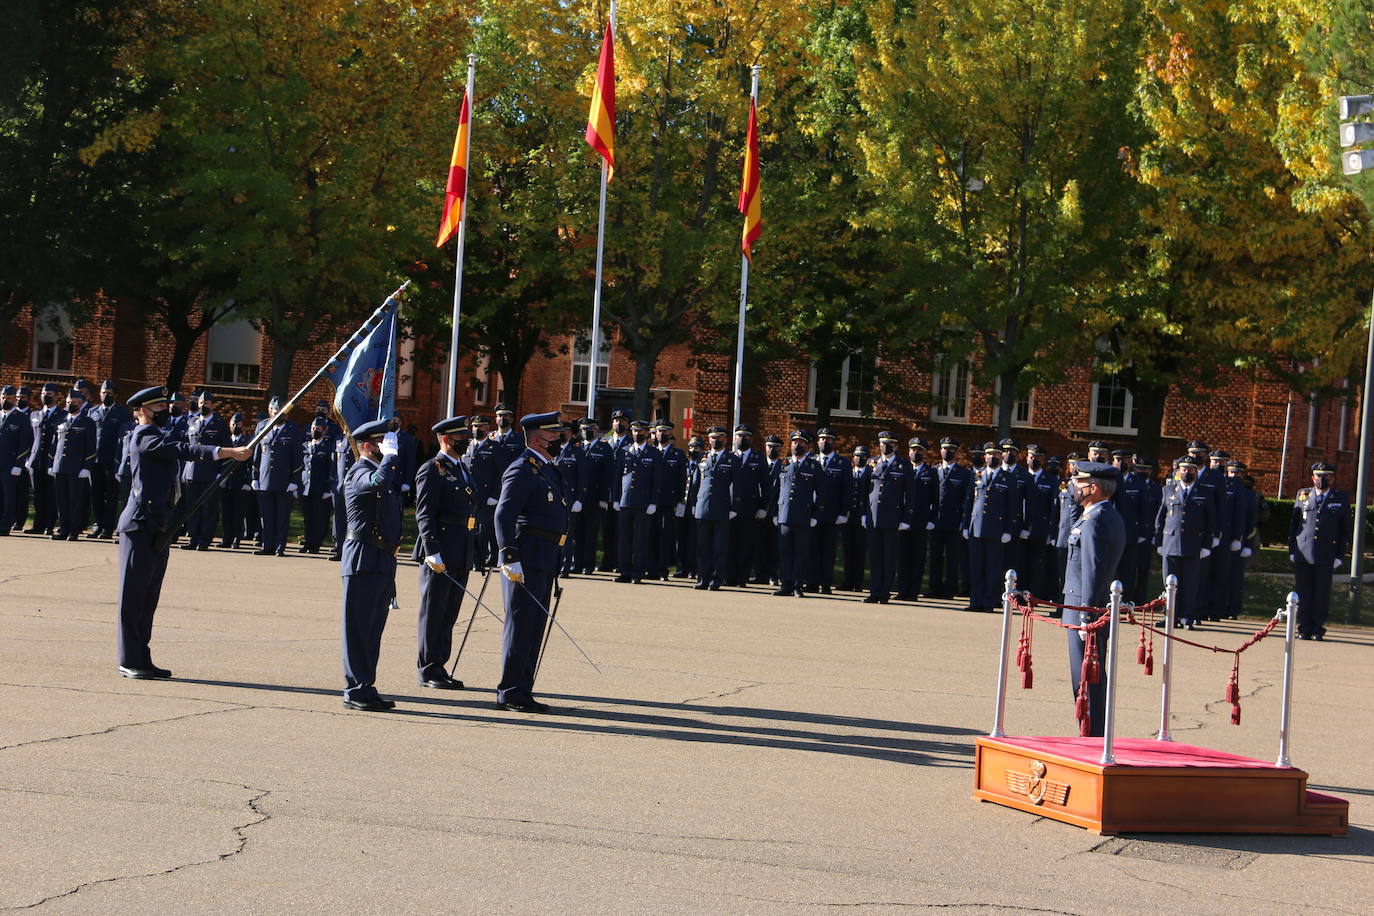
point(749, 203)
point(455, 196)
point(601, 119)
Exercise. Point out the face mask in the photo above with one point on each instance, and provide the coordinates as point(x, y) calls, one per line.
point(798, 451)
point(992, 462)
point(888, 448)
point(588, 435)
point(317, 433)
point(620, 427)
point(107, 399)
point(1075, 495)
point(1189, 476)
point(742, 445)
point(73, 409)
point(160, 417)
point(1036, 464)
point(1323, 483)
point(717, 445)
point(394, 426)
point(237, 430)
point(826, 447)
point(559, 442)
point(918, 458)
point(640, 438)
point(947, 455)
point(49, 400)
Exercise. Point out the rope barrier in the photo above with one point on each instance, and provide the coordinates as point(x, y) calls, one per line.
point(1091, 671)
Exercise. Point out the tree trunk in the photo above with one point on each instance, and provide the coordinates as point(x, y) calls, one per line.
point(1006, 402)
point(1149, 406)
point(9, 311)
point(283, 360)
point(646, 361)
point(183, 341)
point(827, 388)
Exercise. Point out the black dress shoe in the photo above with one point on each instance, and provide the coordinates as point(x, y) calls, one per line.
point(445, 683)
point(188, 546)
point(530, 705)
point(202, 547)
point(623, 579)
point(143, 674)
point(281, 551)
point(334, 558)
point(369, 705)
point(826, 590)
point(782, 593)
point(263, 552)
point(58, 537)
point(73, 537)
point(1304, 636)
point(871, 599)
point(715, 587)
point(701, 586)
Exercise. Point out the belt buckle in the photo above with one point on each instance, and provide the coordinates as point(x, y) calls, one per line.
point(562, 540)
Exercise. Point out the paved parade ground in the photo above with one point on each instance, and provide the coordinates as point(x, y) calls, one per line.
point(738, 753)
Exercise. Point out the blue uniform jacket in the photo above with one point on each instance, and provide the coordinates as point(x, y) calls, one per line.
point(202, 430)
point(153, 466)
point(481, 461)
point(238, 474)
point(505, 449)
point(569, 462)
point(1131, 501)
point(921, 495)
point(178, 426)
point(16, 439)
point(770, 485)
point(1066, 513)
point(1042, 499)
point(374, 517)
point(952, 486)
point(796, 492)
point(318, 462)
point(639, 477)
point(277, 460)
point(443, 512)
point(598, 464)
point(994, 504)
point(715, 489)
point(751, 481)
point(1096, 542)
point(1319, 531)
point(43, 423)
point(861, 488)
point(890, 485)
point(408, 460)
point(532, 497)
point(75, 448)
point(672, 477)
point(343, 460)
point(836, 487)
point(1185, 524)
point(111, 423)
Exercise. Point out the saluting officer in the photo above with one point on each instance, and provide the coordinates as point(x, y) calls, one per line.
point(369, 561)
point(531, 523)
point(594, 482)
point(714, 510)
point(112, 421)
point(317, 485)
point(43, 422)
point(237, 504)
point(912, 543)
point(993, 509)
point(1184, 529)
point(796, 509)
point(889, 513)
point(672, 498)
point(443, 546)
point(948, 551)
point(640, 484)
point(206, 428)
point(751, 500)
point(1318, 537)
point(149, 516)
point(72, 463)
point(16, 438)
point(856, 525)
point(835, 496)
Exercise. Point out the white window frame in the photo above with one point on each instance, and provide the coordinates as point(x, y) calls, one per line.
point(841, 408)
point(52, 326)
point(481, 393)
point(941, 404)
point(582, 359)
point(239, 373)
point(1129, 412)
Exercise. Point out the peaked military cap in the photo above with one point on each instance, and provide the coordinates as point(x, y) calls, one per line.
point(664, 424)
point(1219, 453)
point(886, 436)
point(50, 386)
point(696, 440)
point(1197, 445)
point(176, 397)
point(585, 422)
point(1034, 449)
point(619, 414)
point(1074, 456)
point(917, 442)
point(107, 385)
point(207, 395)
point(1099, 444)
point(801, 434)
point(717, 431)
point(949, 441)
point(9, 391)
point(322, 422)
point(1053, 462)
point(1095, 470)
point(1187, 461)
point(504, 408)
point(545, 421)
point(1321, 467)
point(1144, 462)
point(149, 397)
point(78, 393)
point(744, 428)
point(237, 417)
point(24, 391)
point(275, 402)
point(861, 451)
point(825, 432)
point(1236, 463)
point(1121, 453)
point(371, 430)
point(82, 384)
point(451, 426)
point(1010, 445)
point(991, 447)
point(639, 424)
point(477, 419)
point(772, 440)
point(324, 404)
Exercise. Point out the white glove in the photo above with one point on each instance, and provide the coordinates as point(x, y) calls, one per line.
point(405, 488)
point(329, 495)
point(815, 522)
point(254, 485)
point(1140, 540)
point(1049, 542)
point(864, 521)
point(435, 562)
point(491, 500)
point(1292, 558)
point(513, 571)
point(930, 526)
point(842, 520)
point(733, 514)
point(681, 510)
point(1006, 537)
point(1205, 553)
point(1235, 545)
point(248, 487)
point(762, 513)
point(16, 471)
point(1160, 551)
point(602, 503)
point(291, 488)
point(776, 523)
point(390, 445)
point(576, 506)
point(1336, 563)
point(1025, 534)
point(1246, 551)
point(650, 509)
point(1216, 540)
point(964, 532)
point(903, 526)
point(84, 474)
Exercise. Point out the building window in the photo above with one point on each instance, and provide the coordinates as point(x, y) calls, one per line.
point(52, 340)
point(1113, 406)
point(233, 355)
point(949, 390)
point(1021, 409)
point(855, 397)
point(582, 365)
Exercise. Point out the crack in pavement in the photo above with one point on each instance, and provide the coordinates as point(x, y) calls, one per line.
point(726, 693)
point(117, 727)
point(239, 831)
point(1000, 907)
point(1123, 868)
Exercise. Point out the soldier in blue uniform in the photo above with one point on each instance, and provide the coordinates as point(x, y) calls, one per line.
point(318, 485)
point(913, 543)
point(687, 524)
point(1318, 538)
point(672, 499)
point(509, 442)
point(205, 428)
point(178, 420)
point(593, 482)
point(43, 422)
point(531, 522)
point(948, 550)
point(836, 487)
point(855, 529)
point(1096, 542)
point(237, 504)
point(751, 506)
point(1143, 548)
point(343, 460)
point(569, 462)
point(715, 510)
point(147, 517)
point(369, 561)
point(16, 438)
point(1243, 541)
point(443, 547)
point(1042, 498)
point(889, 513)
point(112, 421)
point(486, 482)
point(72, 465)
point(640, 485)
point(765, 570)
point(1131, 504)
point(993, 516)
point(618, 441)
point(796, 509)
point(277, 478)
point(1015, 556)
point(1184, 533)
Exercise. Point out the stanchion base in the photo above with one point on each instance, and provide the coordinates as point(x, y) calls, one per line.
point(1153, 787)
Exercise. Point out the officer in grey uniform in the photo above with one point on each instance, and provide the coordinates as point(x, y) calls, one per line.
point(148, 517)
point(1184, 533)
point(443, 547)
point(1096, 542)
point(714, 510)
point(796, 510)
point(112, 421)
point(531, 524)
point(1318, 537)
point(205, 428)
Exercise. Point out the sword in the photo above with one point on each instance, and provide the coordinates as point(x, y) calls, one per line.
point(471, 620)
point(557, 597)
point(539, 604)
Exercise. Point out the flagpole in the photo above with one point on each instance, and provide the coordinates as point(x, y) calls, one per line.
point(462, 239)
point(743, 292)
point(596, 296)
point(386, 366)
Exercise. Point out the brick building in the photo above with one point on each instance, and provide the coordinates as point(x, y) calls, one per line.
point(1246, 415)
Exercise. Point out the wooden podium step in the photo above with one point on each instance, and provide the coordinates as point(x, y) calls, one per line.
point(1153, 787)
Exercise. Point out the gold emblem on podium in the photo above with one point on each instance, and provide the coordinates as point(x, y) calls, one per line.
point(1036, 787)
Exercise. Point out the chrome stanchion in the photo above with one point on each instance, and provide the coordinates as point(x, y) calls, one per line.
point(1109, 720)
point(1291, 612)
point(1170, 608)
point(999, 715)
